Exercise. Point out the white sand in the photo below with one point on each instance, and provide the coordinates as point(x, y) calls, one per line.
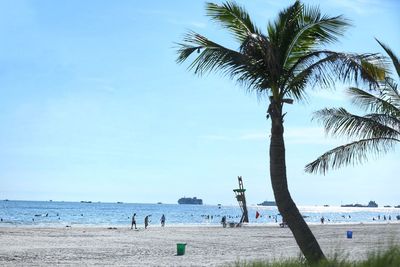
point(156, 246)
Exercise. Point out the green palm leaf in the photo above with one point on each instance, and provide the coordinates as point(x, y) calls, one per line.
point(324, 68)
point(339, 122)
point(377, 132)
point(350, 154)
point(387, 120)
point(211, 55)
point(392, 92)
point(386, 102)
point(393, 57)
point(232, 17)
point(313, 31)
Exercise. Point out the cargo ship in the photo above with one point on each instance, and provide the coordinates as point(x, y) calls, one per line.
point(267, 203)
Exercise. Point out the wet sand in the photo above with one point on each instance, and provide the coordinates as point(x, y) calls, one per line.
point(156, 246)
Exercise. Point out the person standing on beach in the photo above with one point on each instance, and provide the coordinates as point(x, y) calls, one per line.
point(223, 221)
point(146, 221)
point(162, 220)
point(133, 221)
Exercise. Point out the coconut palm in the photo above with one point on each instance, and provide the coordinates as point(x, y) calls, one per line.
point(373, 133)
point(278, 66)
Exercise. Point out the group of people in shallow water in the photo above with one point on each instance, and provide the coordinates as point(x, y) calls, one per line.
point(389, 217)
point(224, 219)
point(146, 221)
point(384, 217)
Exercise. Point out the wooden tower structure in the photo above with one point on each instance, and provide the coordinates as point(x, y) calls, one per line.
point(241, 198)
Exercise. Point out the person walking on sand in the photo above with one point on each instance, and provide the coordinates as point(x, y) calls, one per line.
point(162, 220)
point(146, 221)
point(133, 221)
point(223, 221)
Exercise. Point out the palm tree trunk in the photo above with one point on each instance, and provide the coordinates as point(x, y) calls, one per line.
point(288, 209)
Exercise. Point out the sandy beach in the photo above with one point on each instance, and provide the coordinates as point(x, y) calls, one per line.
point(156, 246)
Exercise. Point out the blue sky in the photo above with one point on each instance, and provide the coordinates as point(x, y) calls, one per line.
point(94, 107)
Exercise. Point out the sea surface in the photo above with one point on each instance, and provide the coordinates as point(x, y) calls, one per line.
point(55, 213)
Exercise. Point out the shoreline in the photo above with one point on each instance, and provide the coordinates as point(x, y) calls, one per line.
point(206, 245)
point(184, 225)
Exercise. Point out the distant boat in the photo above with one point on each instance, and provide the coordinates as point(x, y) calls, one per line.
point(326, 205)
point(119, 202)
point(353, 206)
point(159, 203)
point(372, 204)
point(267, 203)
point(86, 201)
point(189, 200)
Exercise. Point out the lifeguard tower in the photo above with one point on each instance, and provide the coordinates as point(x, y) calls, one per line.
point(241, 198)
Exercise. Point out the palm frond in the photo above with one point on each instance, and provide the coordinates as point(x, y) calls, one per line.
point(350, 154)
point(365, 68)
point(385, 102)
point(376, 132)
point(391, 91)
point(311, 68)
point(246, 69)
point(339, 122)
point(279, 30)
point(282, 30)
point(393, 57)
point(295, 87)
point(313, 31)
point(323, 68)
point(387, 120)
point(234, 18)
point(264, 56)
point(321, 28)
point(210, 54)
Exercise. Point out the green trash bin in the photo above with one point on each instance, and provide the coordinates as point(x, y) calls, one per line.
point(180, 249)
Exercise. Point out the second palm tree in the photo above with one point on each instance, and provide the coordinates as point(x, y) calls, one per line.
point(279, 65)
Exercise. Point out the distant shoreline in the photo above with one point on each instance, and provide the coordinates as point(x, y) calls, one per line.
point(185, 225)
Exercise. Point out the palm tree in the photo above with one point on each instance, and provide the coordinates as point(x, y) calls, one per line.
point(376, 132)
point(279, 65)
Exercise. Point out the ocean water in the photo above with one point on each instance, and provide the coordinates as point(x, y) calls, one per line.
point(54, 213)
